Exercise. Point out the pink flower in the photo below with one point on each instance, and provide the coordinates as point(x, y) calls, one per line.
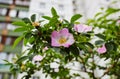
point(37, 58)
point(45, 48)
point(62, 38)
point(102, 49)
point(82, 28)
point(118, 21)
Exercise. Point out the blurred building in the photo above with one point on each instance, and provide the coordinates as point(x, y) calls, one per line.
point(10, 10)
point(67, 8)
point(42, 7)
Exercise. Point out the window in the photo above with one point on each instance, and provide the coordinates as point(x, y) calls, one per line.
point(42, 5)
point(13, 13)
point(6, 1)
point(3, 11)
point(3, 25)
point(8, 41)
point(61, 7)
point(23, 14)
point(10, 27)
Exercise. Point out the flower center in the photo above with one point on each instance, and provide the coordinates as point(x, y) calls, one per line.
point(35, 24)
point(62, 40)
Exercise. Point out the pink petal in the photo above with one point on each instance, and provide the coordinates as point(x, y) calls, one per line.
point(88, 28)
point(76, 28)
point(70, 41)
point(55, 42)
point(64, 32)
point(102, 49)
point(45, 48)
point(55, 34)
point(82, 28)
point(118, 21)
point(79, 28)
point(37, 58)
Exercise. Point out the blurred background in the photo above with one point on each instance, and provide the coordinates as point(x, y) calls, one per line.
point(13, 10)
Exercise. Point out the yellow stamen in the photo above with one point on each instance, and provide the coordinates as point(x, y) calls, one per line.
point(23, 67)
point(62, 40)
point(35, 24)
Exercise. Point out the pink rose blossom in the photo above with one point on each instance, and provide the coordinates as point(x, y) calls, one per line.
point(118, 21)
point(37, 58)
point(62, 38)
point(45, 48)
point(101, 50)
point(82, 28)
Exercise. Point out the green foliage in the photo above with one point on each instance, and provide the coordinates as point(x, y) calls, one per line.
point(33, 18)
point(26, 20)
point(20, 60)
point(54, 13)
point(75, 17)
point(46, 17)
point(20, 29)
point(37, 36)
point(19, 23)
point(17, 41)
point(99, 42)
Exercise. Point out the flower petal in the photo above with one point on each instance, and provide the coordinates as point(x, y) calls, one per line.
point(55, 42)
point(81, 28)
point(70, 41)
point(62, 38)
point(55, 34)
point(102, 49)
point(37, 58)
point(64, 32)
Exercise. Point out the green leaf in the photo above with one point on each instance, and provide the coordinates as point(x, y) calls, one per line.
point(25, 41)
point(31, 40)
point(28, 38)
point(17, 41)
point(74, 50)
point(99, 13)
point(75, 17)
point(28, 35)
point(109, 46)
point(19, 23)
point(21, 29)
point(26, 20)
point(46, 17)
point(100, 36)
point(20, 60)
point(53, 11)
point(99, 42)
point(33, 18)
point(53, 21)
point(90, 45)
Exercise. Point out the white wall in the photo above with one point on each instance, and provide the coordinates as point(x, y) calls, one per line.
point(36, 8)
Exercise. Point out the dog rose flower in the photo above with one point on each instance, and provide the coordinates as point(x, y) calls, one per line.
point(82, 28)
point(37, 58)
point(102, 49)
point(62, 38)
